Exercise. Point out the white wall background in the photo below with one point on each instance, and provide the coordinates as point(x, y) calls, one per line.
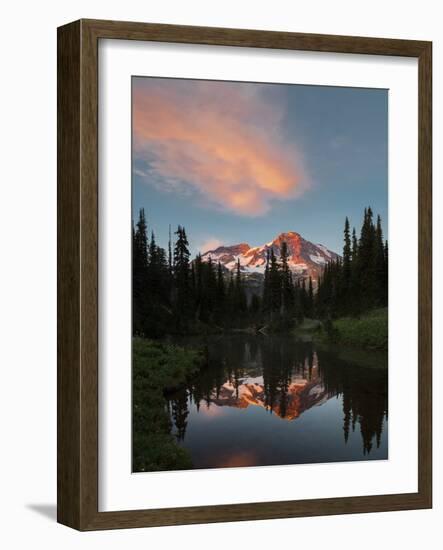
point(28, 269)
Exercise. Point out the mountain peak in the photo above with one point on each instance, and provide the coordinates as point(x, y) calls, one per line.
point(288, 237)
point(305, 259)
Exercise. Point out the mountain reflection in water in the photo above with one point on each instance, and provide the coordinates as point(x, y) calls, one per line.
point(275, 400)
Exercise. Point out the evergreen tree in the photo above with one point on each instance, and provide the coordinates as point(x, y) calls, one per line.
point(310, 308)
point(170, 264)
point(197, 284)
point(255, 309)
point(359, 281)
point(210, 290)
point(171, 293)
point(354, 285)
point(180, 413)
point(298, 302)
point(240, 296)
point(354, 246)
point(347, 259)
point(157, 292)
point(157, 273)
point(139, 272)
point(287, 288)
point(220, 296)
point(231, 299)
point(266, 298)
point(386, 275)
point(220, 285)
point(274, 286)
point(304, 299)
point(182, 279)
point(366, 262)
point(379, 264)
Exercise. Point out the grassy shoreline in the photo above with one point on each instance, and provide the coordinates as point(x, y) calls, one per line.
point(370, 331)
point(157, 367)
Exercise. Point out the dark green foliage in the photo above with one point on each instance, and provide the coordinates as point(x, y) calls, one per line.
point(156, 368)
point(284, 301)
point(266, 298)
point(170, 263)
point(275, 286)
point(347, 261)
point(151, 283)
point(380, 266)
point(299, 301)
point(182, 280)
point(359, 281)
point(139, 271)
point(174, 294)
point(369, 331)
point(255, 310)
point(240, 302)
point(353, 301)
point(220, 297)
point(310, 300)
point(287, 287)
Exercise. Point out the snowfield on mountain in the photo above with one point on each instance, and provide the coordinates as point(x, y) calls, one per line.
point(306, 259)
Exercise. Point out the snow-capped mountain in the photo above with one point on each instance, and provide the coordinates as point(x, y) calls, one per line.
point(305, 258)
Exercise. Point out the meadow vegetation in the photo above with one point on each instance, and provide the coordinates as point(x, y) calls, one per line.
point(158, 367)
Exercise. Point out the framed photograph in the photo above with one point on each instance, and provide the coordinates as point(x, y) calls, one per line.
point(244, 275)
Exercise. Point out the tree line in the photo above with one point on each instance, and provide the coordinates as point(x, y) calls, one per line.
point(358, 281)
point(285, 299)
point(174, 294)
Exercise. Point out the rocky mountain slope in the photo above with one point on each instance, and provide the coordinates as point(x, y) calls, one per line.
point(305, 258)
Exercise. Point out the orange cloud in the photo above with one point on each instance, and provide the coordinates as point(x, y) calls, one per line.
point(225, 141)
point(209, 244)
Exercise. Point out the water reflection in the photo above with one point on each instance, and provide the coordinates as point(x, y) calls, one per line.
point(319, 397)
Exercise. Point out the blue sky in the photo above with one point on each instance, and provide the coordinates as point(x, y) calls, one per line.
point(243, 162)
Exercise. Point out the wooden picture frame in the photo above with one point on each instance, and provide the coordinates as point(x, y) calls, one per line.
point(78, 274)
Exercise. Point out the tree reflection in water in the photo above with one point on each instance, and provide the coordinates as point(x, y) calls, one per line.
point(287, 377)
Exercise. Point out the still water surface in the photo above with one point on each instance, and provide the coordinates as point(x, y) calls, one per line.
point(275, 400)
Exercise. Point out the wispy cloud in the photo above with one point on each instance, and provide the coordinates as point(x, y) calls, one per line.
point(223, 141)
point(211, 243)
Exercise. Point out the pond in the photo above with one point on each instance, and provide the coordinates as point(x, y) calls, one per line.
point(273, 400)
